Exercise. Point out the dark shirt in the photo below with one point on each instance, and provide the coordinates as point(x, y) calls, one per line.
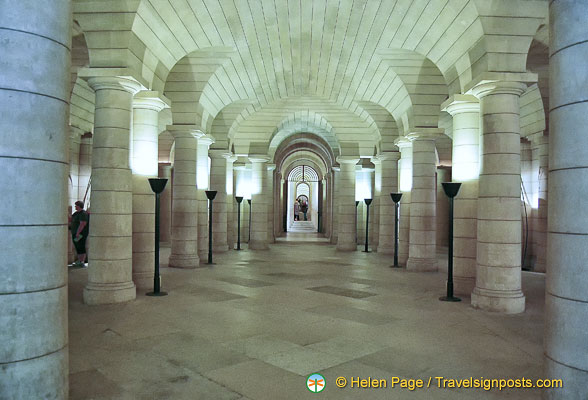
point(78, 217)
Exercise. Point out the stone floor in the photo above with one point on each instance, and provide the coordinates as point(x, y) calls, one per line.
point(257, 323)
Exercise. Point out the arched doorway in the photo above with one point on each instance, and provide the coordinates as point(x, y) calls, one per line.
point(303, 182)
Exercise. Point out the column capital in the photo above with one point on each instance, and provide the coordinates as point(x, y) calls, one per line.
point(239, 166)
point(271, 167)
point(184, 131)
point(126, 83)
point(426, 134)
point(75, 132)
point(461, 103)
point(387, 155)
point(205, 140)
point(486, 88)
point(403, 143)
point(336, 169)
point(219, 153)
point(259, 158)
point(230, 157)
point(150, 100)
point(348, 160)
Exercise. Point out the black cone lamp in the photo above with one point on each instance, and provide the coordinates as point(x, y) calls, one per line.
point(157, 185)
point(451, 189)
point(367, 221)
point(210, 194)
point(239, 200)
point(396, 199)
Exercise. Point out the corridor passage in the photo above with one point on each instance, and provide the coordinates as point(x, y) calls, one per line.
point(256, 324)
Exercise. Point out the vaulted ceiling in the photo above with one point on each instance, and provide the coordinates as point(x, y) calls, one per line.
point(357, 73)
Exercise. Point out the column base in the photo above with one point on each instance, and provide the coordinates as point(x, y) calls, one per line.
point(258, 245)
point(352, 246)
point(504, 301)
point(183, 261)
point(463, 285)
point(144, 280)
point(109, 293)
point(421, 264)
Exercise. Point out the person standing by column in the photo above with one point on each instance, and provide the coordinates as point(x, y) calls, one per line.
point(79, 232)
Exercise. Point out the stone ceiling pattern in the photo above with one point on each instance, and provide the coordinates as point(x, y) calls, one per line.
point(357, 73)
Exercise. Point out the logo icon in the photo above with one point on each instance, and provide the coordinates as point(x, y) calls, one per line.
point(315, 383)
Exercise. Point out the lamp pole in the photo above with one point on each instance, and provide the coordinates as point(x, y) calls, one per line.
point(239, 200)
point(249, 202)
point(356, 203)
point(367, 221)
point(210, 194)
point(157, 185)
point(396, 199)
point(450, 189)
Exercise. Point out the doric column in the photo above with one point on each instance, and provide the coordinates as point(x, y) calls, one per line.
point(144, 165)
point(75, 138)
point(566, 292)
point(259, 202)
point(34, 98)
point(465, 110)
point(218, 182)
point(110, 272)
point(270, 205)
point(540, 233)
point(184, 248)
point(405, 186)
point(165, 215)
point(346, 216)
point(242, 188)
point(422, 252)
point(231, 216)
point(85, 168)
point(335, 207)
point(389, 182)
point(202, 184)
point(498, 259)
point(375, 207)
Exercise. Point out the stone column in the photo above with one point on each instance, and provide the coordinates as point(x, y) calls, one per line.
point(465, 110)
point(405, 186)
point(389, 182)
point(335, 208)
point(566, 294)
point(375, 207)
point(85, 168)
point(231, 204)
point(241, 189)
point(346, 229)
point(442, 207)
point(34, 111)
point(259, 202)
point(110, 270)
point(270, 205)
point(165, 220)
point(74, 163)
point(218, 182)
point(202, 184)
point(184, 248)
point(144, 165)
point(498, 260)
point(422, 252)
point(540, 231)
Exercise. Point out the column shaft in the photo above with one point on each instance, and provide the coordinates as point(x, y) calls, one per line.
point(540, 234)
point(74, 164)
point(34, 98)
point(405, 186)
point(335, 207)
point(389, 166)
point(346, 216)
point(231, 204)
point(271, 200)
point(259, 203)
point(85, 169)
point(144, 165)
point(218, 182)
point(498, 263)
point(422, 252)
point(566, 294)
point(184, 248)
point(165, 220)
point(110, 273)
point(202, 184)
point(465, 169)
